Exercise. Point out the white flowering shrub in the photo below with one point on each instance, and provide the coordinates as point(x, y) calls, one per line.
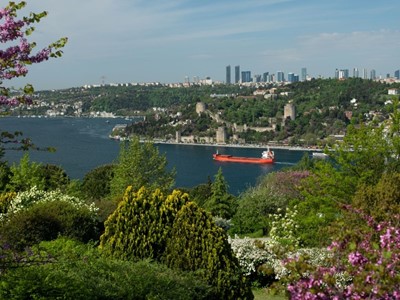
point(283, 228)
point(266, 254)
point(24, 200)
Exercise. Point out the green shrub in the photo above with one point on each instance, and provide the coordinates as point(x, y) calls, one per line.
point(46, 221)
point(96, 183)
point(5, 201)
point(197, 243)
point(80, 272)
point(141, 224)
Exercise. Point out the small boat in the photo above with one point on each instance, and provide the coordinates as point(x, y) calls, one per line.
point(267, 157)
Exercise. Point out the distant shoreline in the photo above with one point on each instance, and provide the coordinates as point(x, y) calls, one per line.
point(292, 148)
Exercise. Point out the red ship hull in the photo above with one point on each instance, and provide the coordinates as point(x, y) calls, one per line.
point(237, 159)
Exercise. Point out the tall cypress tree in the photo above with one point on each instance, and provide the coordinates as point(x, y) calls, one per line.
point(221, 203)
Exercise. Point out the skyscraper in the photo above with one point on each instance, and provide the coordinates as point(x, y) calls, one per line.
point(365, 74)
point(397, 74)
point(246, 76)
point(356, 73)
point(280, 76)
point(265, 76)
point(373, 74)
point(228, 74)
point(303, 74)
point(237, 74)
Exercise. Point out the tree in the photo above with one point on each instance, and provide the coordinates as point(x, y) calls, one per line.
point(367, 152)
point(221, 203)
point(201, 193)
point(14, 60)
point(17, 56)
point(96, 183)
point(197, 243)
point(381, 201)
point(26, 175)
point(54, 177)
point(140, 165)
point(141, 224)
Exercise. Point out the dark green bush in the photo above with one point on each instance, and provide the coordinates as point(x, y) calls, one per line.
point(96, 183)
point(46, 221)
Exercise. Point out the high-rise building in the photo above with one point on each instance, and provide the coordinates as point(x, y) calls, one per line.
point(372, 74)
point(342, 74)
point(228, 74)
point(397, 74)
point(356, 74)
point(237, 74)
point(280, 76)
point(290, 77)
point(246, 76)
point(257, 78)
point(365, 74)
point(265, 76)
point(303, 74)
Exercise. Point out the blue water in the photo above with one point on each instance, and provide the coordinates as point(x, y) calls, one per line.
point(83, 144)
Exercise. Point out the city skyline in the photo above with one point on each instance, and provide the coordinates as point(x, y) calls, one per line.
point(157, 41)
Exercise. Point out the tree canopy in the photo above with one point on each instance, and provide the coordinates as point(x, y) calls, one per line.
point(140, 164)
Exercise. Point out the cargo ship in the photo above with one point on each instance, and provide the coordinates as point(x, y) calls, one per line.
point(267, 157)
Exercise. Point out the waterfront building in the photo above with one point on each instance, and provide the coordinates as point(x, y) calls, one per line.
point(237, 74)
point(228, 75)
point(303, 74)
point(221, 135)
point(178, 137)
point(246, 76)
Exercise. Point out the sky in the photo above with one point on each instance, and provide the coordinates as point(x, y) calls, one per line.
point(124, 41)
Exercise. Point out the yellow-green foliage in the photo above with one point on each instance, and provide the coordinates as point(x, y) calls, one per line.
point(140, 225)
point(5, 201)
point(146, 224)
point(197, 243)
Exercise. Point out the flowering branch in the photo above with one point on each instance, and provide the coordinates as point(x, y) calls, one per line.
point(15, 58)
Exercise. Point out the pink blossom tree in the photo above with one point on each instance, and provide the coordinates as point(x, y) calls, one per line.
point(363, 265)
point(18, 52)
